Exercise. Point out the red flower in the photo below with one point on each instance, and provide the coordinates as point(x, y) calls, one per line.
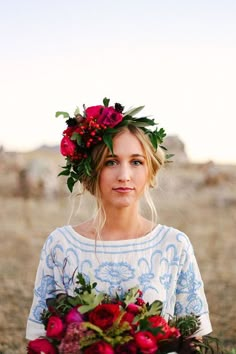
point(125, 348)
point(104, 315)
point(55, 327)
point(74, 316)
point(67, 147)
point(69, 131)
point(158, 321)
point(133, 308)
point(174, 332)
point(146, 342)
point(94, 111)
point(99, 348)
point(39, 346)
point(131, 311)
point(128, 317)
point(104, 115)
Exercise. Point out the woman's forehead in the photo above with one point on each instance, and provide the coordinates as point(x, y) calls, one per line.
point(127, 143)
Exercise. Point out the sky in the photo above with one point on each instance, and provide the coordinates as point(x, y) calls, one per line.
point(177, 58)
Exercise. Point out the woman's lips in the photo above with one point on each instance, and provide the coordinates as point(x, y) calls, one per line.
point(123, 189)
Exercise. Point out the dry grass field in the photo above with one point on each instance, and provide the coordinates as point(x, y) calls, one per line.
point(186, 199)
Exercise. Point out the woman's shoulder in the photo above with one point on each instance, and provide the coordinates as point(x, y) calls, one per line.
point(174, 235)
point(58, 235)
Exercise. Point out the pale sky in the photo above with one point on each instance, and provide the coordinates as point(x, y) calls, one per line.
point(178, 58)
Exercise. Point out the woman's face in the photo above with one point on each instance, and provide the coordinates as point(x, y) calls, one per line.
point(125, 174)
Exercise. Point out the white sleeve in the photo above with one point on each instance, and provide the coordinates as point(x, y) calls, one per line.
point(190, 295)
point(49, 280)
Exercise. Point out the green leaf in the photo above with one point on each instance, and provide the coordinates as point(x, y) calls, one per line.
point(155, 308)
point(145, 120)
point(90, 301)
point(108, 141)
point(131, 296)
point(77, 111)
point(64, 173)
point(74, 136)
point(143, 123)
point(106, 101)
point(162, 134)
point(111, 130)
point(64, 114)
point(153, 140)
point(169, 156)
point(87, 166)
point(133, 111)
point(74, 175)
point(70, 183)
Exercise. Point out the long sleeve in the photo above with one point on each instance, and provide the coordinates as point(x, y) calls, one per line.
point(190, 295)
point(48, 282)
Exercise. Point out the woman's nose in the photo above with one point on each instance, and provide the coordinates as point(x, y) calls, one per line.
point(124, 173)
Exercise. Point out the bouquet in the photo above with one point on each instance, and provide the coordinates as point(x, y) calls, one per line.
point(92, 322)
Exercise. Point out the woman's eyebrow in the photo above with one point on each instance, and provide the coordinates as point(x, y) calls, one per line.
point(133, 155)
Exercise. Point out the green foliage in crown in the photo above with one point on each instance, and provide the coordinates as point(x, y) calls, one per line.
point(96, 125)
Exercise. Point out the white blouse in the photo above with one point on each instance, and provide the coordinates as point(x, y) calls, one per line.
point(161, 263)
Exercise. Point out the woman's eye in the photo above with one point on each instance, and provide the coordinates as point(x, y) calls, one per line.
point(137, 162)
point(110, 163)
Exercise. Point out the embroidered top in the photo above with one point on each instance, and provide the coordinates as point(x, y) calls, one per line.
point(161, 263)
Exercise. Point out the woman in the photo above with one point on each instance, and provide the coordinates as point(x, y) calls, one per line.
point(116, 158)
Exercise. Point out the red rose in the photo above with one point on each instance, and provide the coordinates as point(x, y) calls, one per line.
point(104, 315)
point(125, 348)
point(94, 111)
point(104, 115)
point(159, 321)
point(67, 147)
point(74, 316)
point(99, 348)
point(39, 346)
point(146, 342)
point(55, 327)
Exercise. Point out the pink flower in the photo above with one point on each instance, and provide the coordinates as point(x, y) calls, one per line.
point(67, 147)
point(39, 346)
point(104, 115)
point(71, 341)
point(94, 111)
point(146, 342)
point(55, 327)
point(99, 348)
point(133, 308)
point(74, 316)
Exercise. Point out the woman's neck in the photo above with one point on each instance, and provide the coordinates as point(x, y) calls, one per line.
point(124, 224)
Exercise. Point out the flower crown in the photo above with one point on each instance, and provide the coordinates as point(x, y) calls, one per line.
point(97, 125)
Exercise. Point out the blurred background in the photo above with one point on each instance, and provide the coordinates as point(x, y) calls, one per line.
point(177, 59)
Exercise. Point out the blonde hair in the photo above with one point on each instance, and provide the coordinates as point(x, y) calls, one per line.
point(155, 160)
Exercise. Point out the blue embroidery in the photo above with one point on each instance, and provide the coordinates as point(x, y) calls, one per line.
point(194, 304)
point(46, 286)
point(187, 282)
point(161, 271)
point(178, 308)
point(166, 280)
point(38, 310)
point(114, 273)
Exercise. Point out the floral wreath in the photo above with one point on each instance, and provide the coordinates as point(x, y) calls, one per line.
point(98, 124)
